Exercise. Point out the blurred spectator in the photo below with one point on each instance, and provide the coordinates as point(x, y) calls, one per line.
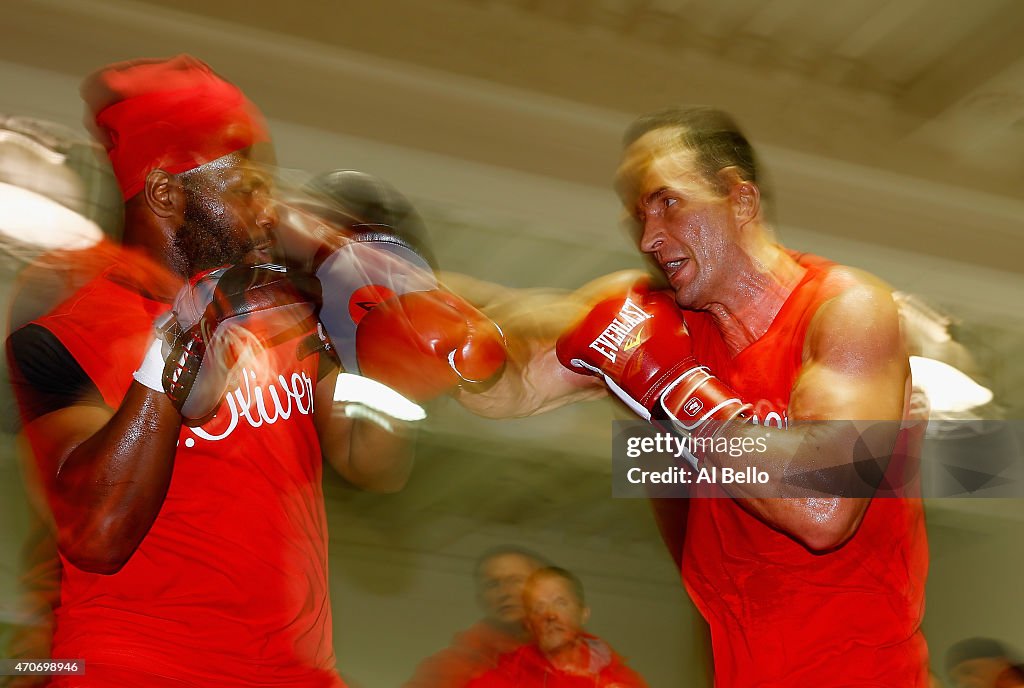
point(500, 575)
point(561, 654)
point(983, 663)
point(42, 284)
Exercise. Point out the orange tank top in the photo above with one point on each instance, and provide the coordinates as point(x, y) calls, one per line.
point(781, 615)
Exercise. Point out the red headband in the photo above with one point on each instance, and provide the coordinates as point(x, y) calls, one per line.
point(173, 115)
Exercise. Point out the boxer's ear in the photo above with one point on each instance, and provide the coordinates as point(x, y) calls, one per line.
point(164, 194)
point(744, 196)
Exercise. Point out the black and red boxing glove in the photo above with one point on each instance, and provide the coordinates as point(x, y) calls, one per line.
point(426, 343)
point(222, 316)
point(639, 344)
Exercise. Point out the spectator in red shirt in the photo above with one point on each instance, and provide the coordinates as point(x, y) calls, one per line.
point(500, 575)
point(561, 654)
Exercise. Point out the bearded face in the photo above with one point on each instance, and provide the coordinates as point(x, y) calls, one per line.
point(227, 217)
point(209, 238)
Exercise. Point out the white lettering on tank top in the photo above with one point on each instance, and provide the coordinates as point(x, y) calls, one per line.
point(258, 405)
point(772, 419)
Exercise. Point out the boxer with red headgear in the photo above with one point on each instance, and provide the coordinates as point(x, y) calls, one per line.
point(194, 553)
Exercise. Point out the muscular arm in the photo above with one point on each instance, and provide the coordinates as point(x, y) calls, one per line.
point(532, 320)
point(106, 474)
point(855, 369)
point(364, 453)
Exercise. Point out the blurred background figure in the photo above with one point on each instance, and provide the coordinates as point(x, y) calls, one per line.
point(499, 577)
point(58, 211)
point(983, 663)
point(560, 653)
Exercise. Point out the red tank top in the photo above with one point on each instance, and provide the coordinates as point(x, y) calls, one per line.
point(781, 615)
point(229, 587)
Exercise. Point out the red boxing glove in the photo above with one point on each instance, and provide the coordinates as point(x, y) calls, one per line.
point(425, 343)
point(639, 344)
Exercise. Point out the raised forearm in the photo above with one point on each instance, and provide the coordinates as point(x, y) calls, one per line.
point(381, 458)
point(109, 489)
point(818, 485)
point(367, 447)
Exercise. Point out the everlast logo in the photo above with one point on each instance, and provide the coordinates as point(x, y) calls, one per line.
point(614, 335)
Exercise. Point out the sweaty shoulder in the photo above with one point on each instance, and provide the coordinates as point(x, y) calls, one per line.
point(842, 277)
point(850, 291)
point(858, 322)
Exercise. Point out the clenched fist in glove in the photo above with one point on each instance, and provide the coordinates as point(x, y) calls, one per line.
point(218, 319)
point(382, 309)
point(363, 241)
point(426, 343)
point(638, 342)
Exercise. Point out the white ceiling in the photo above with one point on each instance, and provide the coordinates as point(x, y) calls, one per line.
point(924, 89)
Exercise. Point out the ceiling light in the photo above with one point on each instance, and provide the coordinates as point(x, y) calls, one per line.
point(948, 389)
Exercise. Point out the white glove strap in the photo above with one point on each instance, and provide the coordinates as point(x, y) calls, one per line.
point(639, 409)
point(151, 372)
point(629, 401)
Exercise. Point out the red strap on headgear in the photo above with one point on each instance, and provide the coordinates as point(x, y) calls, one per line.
point(173, 115)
